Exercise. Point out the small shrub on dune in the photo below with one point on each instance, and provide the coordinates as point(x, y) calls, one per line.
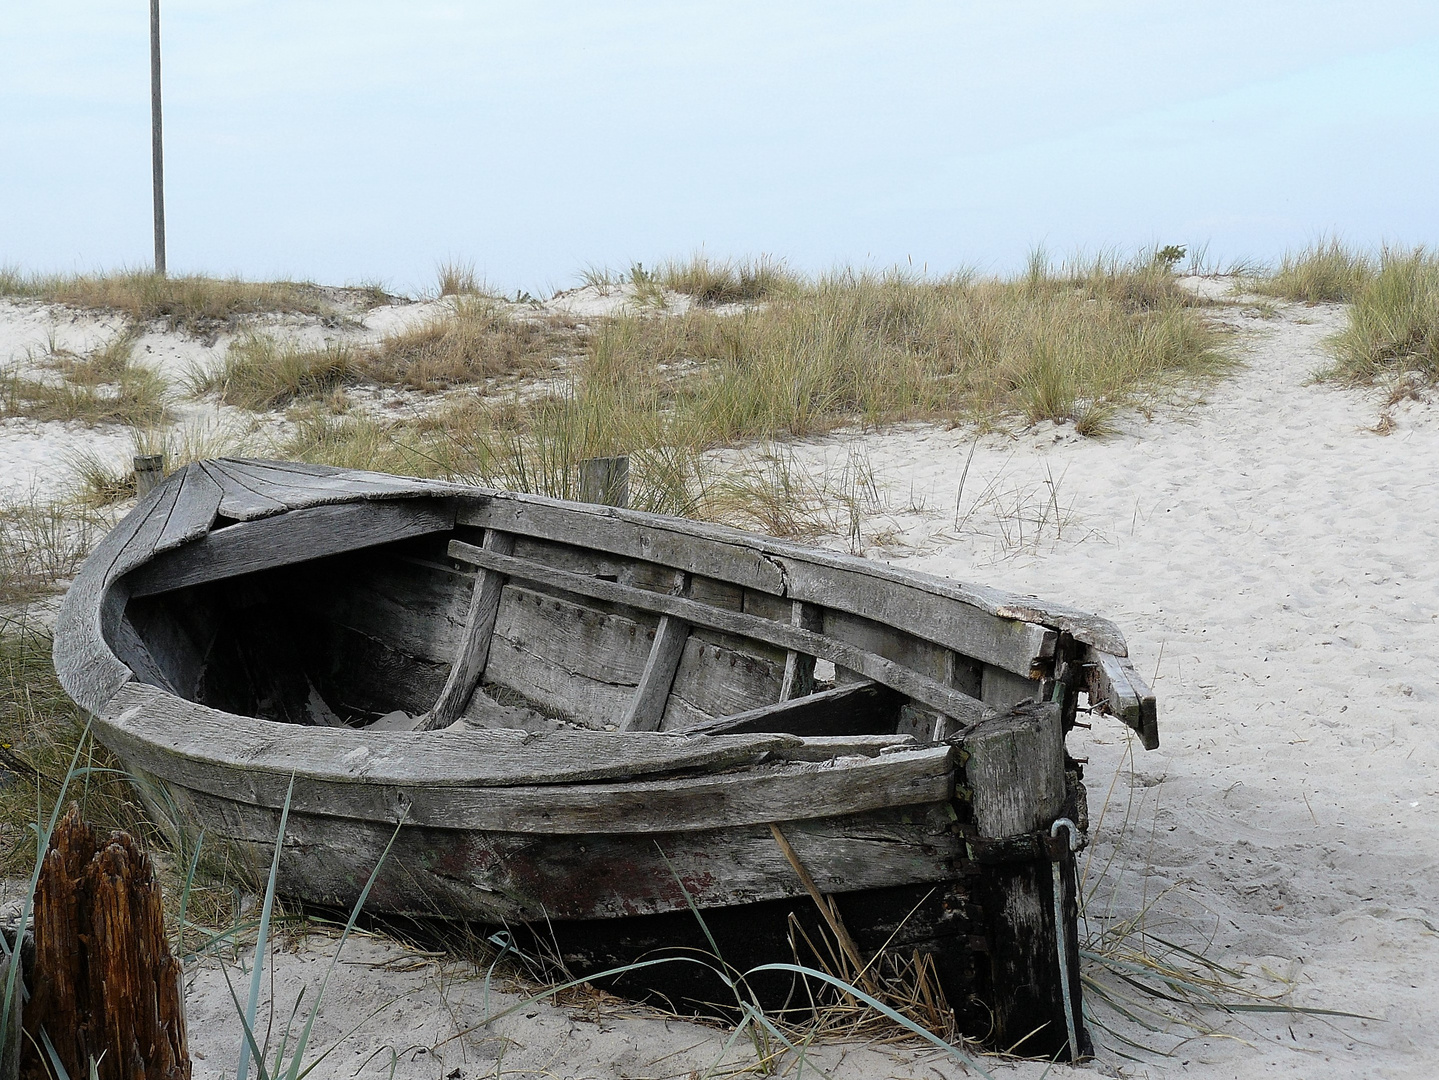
point(459, 279)
point(713, 282)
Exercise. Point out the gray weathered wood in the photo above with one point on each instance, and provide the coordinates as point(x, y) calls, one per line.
point(605, 480)
point(88, 669)
point(1117, 688)
point(1016, 770)
point(196, 504)
point(855, 709)
point(1002, 689)
point(570, 659)
point(468, 779)
point(977, 621)
point(875, 668)
point(719, 675)
point(469, 666)
point(149, 471)
point(299, 536)
point(827, 747)
point(239, 500)
point(799, 668)
point(508, 877)
point(647, 706)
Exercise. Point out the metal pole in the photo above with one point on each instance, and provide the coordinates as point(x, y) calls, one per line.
point(157, 141)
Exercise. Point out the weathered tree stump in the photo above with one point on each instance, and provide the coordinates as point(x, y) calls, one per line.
point(106, 987)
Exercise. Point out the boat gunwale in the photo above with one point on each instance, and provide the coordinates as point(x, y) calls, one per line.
point(93, 674)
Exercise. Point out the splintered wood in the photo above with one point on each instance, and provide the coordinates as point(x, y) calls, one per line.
point(107, 989)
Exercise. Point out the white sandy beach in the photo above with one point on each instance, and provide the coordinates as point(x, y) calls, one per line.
point(1271, 560)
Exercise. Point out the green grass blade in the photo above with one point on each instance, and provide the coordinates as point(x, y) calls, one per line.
point(242, 1071)
point(185, 893)
point(294, 1068)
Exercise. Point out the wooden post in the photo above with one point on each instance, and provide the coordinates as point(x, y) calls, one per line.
point(605, 480)
point(106, 988)
point(149, 471)
point(1015, 769)
point(157, 141)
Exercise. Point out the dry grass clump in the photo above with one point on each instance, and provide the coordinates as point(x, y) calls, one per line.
point(1074, 344)
point(477, 341)
point(480, 340)
point(1393, 321)
point(878, 348)
point(714, 282)
point(457, 278)
point(1324, 272)
point(41, 546)
point(105, 387)
point(261, 373)
point(39, 729)
point(97, 479)
point(188, 302)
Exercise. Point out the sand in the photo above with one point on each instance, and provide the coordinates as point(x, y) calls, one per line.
point(1270, 558)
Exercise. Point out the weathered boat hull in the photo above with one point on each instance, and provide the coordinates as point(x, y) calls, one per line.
point(720, 717)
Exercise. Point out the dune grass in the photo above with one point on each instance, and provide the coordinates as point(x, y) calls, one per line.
point(1075, 343)
point(1327, 271)
point(185, 302)
point(105, 387)
point(478, 340)
point(41, 546)
point(1393, 321)
point(722, 281)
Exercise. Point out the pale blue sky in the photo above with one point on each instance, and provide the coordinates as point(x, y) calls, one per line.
point(368, 141)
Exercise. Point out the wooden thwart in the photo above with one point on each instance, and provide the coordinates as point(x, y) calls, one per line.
point(877, 668)
point(469, 667)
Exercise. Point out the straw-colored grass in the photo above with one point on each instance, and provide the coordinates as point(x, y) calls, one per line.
point(1393, 321)
point(1324, 272)
point(1074, 344)
point(711, 281)
point(41, 547)
point(105, 389)
point(187, 301)
point(477, 341)
point(260, 372)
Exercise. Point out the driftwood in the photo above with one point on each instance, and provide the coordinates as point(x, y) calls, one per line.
point(107, 989)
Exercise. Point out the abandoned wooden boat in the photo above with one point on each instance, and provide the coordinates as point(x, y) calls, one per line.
point(588, 718)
